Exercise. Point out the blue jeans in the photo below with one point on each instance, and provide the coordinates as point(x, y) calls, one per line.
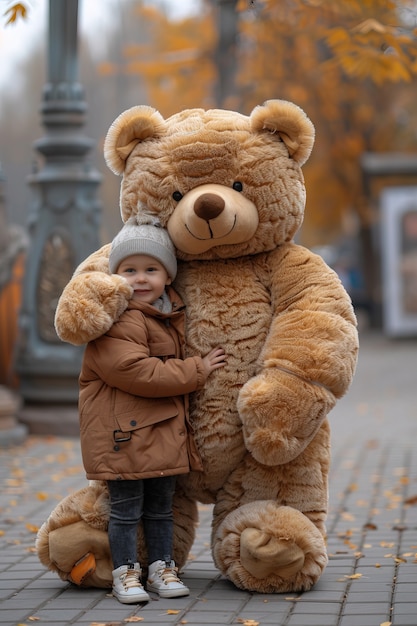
point(132, 500)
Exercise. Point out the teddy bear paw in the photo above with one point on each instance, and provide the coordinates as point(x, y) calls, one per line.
point(268, 548)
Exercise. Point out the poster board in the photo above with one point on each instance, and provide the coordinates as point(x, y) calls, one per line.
point(399, 260)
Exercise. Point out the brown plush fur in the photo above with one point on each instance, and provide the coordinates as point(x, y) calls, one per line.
point(280, 313)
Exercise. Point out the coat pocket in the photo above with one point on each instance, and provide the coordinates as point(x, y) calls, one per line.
point(147, 412)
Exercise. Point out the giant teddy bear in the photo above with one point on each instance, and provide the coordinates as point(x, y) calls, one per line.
point(230, 190)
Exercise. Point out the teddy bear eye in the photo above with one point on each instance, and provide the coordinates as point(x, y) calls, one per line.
point(237, 186)
point(177, 195)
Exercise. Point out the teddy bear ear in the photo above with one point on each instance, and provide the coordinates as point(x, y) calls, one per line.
point(290, 123)
point(132, 126)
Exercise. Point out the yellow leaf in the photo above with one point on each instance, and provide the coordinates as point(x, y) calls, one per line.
point(368, 26)
point(172, 612)
point(32, 528)
point(386, 624)
point(354, 576)
point(15, 11)
point(134, 619)
point(41, 495)
point(1, 533)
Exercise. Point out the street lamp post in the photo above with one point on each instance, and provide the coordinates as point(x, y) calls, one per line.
point(63, 221)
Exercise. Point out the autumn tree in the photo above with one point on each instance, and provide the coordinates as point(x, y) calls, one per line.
point(339, 60)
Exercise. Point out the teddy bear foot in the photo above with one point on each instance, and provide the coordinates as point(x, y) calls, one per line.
point(269, 548)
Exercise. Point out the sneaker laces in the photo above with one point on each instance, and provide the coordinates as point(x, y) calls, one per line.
point(131, 579)
point(168, 575)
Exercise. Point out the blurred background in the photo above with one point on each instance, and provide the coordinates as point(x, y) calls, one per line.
point(352, 66)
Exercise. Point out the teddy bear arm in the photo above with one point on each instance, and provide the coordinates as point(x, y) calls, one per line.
point(281, 413)
point(92, 301)
point(313, 333)
point(307, 362)
point(317, 346)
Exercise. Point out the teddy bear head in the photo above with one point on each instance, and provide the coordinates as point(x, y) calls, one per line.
point(224, 184)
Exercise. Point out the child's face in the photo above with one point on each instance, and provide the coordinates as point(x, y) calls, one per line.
point(146, 275)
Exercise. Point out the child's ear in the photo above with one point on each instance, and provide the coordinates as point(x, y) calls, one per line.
point(168, 280)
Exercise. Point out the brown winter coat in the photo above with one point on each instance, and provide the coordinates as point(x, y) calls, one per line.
point(133, 400)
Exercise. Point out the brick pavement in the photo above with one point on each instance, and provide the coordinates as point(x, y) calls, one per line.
point(371, 578)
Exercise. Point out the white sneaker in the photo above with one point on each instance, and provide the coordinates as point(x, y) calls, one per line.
point(127, 586)
point(163, 579)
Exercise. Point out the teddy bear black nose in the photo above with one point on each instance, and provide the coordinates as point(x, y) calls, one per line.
point(208, 206)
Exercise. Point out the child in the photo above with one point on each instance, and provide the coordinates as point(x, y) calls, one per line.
point(134, 424)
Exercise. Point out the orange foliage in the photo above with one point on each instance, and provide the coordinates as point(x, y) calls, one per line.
point(335, 59)
point(17, 10)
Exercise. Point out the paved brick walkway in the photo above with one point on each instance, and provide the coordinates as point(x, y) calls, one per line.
point(371, 578)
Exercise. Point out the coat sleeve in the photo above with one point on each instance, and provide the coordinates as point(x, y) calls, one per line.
point(122, 359)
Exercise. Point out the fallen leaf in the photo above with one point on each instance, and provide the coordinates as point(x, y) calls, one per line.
point(386, 624)
point(17, 471)
point(32, 618)
point(172, 612)
point(400, 560)
point(411, 500)
point(354, 576)
point(41, 495)
point(32, 528)
point(134, 619)
point(13, 482)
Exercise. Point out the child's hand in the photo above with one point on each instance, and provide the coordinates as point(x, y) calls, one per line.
point(214, 359)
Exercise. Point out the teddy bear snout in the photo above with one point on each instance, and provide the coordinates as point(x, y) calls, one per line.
point(208, 206)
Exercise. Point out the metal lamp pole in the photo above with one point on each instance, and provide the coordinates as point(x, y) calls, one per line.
point(63, 222)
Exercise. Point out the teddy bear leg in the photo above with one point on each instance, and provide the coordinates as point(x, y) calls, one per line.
point(265, 547)
point(77, 553)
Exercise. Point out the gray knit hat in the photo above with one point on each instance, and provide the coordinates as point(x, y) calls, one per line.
point(143, 235)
